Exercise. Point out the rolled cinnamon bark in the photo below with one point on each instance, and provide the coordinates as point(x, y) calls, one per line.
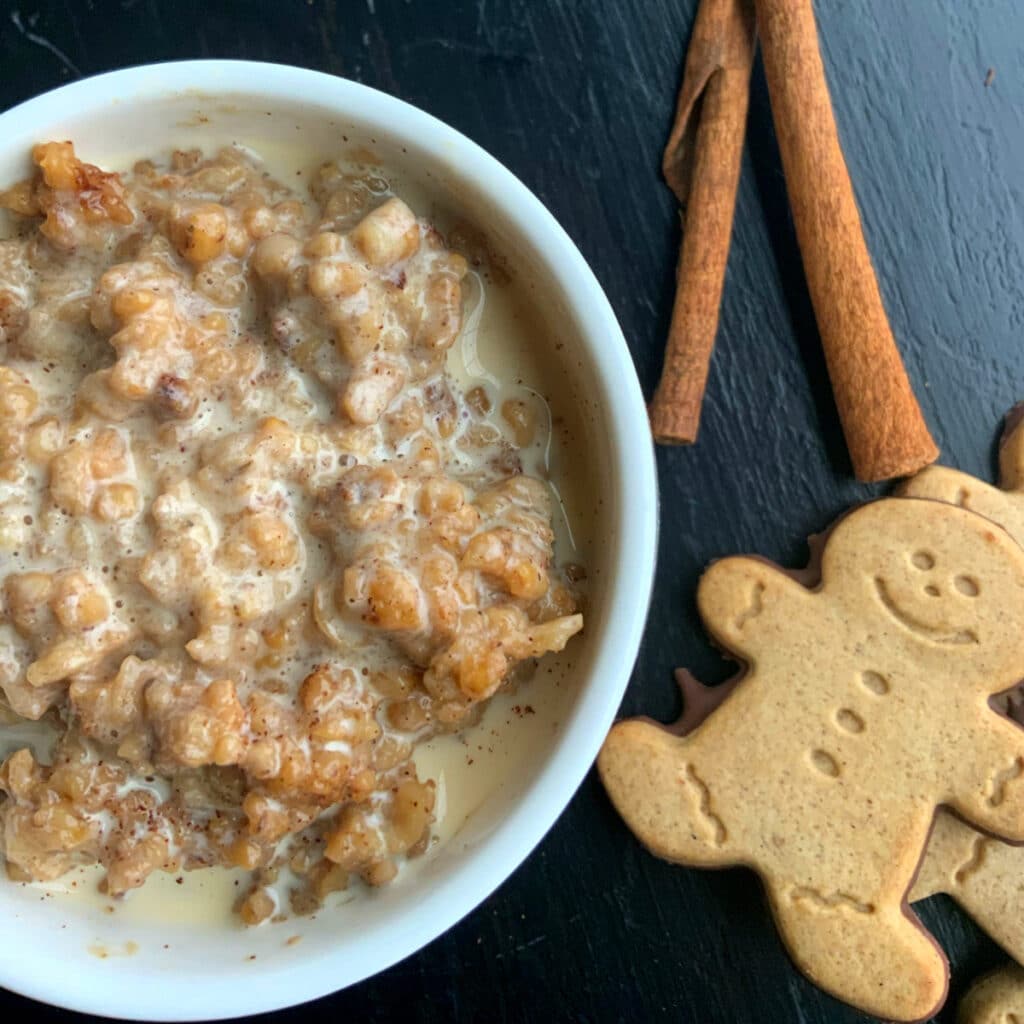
point(885, 431)
point(702, 166)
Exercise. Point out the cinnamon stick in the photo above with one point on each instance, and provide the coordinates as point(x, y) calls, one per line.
point(702, 166)
point(885, 431)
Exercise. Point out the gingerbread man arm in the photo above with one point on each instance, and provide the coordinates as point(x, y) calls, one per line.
point(1011, 452)
point(986, 883)
point(745, 602)
point(989, 790)
point(955, 488)
point(666, 801)
point(941, 483)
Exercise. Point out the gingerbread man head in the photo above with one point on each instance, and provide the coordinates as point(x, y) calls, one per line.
point(929, 580)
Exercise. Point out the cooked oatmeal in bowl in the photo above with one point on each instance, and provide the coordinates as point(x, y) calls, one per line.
point(256, 543)
point(297, 501)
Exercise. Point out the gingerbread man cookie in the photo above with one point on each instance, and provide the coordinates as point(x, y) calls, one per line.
point(864, 708)
point(984, 875)
point(998, 998)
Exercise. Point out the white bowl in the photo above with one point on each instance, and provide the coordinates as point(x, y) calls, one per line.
point(48, 946)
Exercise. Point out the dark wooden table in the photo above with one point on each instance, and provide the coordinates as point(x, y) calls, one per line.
point(576, 98)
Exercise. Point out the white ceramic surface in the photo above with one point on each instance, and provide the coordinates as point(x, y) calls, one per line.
point(48, 947)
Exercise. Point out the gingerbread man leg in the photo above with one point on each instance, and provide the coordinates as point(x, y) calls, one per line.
point(826, 932)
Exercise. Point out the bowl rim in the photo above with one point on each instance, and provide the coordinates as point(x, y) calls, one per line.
point(633, 479)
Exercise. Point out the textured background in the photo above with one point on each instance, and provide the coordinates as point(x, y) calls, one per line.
point(576, 98)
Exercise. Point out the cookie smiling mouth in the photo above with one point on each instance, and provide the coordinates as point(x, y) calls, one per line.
point(922, 629)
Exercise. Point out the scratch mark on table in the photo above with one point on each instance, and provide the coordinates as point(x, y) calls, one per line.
point(43, 42)
point(527, 945)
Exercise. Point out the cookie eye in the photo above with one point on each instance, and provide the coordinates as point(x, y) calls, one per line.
point(931, 590)
point(923, 560)
point(967, 585)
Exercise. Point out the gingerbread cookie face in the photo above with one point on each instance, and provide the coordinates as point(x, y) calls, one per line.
point(864, 708)
point(929, 586)
point(998, 998)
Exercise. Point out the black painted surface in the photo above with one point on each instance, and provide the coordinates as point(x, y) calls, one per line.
point(576, 98)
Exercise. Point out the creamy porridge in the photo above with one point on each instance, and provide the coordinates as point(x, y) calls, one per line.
point(256, 544)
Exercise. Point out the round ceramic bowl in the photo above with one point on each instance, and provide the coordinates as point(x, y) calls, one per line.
point(74, 953)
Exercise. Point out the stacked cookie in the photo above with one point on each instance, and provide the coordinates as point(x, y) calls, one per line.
point(857, 763)
point(997, 998)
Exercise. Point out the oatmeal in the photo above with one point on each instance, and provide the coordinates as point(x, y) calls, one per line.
point(256, 544)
